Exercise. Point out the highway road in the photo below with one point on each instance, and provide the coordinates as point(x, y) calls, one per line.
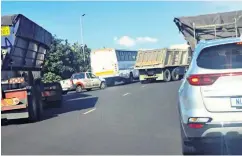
point(126, 119)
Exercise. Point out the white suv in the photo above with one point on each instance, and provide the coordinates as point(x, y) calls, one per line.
point(210, 96)
point(87, 81)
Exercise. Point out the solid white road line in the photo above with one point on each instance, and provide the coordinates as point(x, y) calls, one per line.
point(126, 94)
point(89, 111)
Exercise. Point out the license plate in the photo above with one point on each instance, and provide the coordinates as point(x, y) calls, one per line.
point(236, 102)
point(5, 30)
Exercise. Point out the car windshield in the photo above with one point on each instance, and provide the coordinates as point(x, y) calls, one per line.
point(228, 56)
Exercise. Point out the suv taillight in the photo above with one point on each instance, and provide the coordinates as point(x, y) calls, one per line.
point(208, 79)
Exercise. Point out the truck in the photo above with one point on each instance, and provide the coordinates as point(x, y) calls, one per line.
point(24, 45)
point(114, 65)
point(162, 64)
point(209, 26)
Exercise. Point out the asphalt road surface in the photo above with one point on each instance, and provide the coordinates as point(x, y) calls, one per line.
point(127, 119)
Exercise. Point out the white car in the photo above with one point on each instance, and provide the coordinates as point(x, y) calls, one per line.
point(210, 96)
point(87, 81)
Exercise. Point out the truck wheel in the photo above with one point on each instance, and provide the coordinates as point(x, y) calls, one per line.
point(167, 75)
point(33, 106)
point(79, 89)
point(39, 102)
point(175, 76)
point(130, 79)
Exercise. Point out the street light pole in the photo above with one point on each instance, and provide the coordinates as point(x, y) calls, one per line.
point(81, 22)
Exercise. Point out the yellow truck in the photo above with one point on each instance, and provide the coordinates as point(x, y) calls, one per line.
point(162, 64)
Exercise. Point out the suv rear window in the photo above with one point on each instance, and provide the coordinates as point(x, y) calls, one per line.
point(227, 56)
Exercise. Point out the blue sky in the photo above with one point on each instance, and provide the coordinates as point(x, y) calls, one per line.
point(126, 25)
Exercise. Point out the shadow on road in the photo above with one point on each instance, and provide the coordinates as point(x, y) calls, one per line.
point(229, 144)
point(71, 102)
point(121, 84)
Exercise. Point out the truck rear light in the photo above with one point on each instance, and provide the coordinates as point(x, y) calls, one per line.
point(208, 79)
point(16, 80)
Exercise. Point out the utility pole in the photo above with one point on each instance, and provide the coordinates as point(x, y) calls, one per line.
point(82, 42)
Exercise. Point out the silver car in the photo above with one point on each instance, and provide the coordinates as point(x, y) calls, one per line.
point(210, 96)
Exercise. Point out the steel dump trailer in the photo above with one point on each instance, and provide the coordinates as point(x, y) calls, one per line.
point(24, 45)
point(162, 64)
point(210, 26)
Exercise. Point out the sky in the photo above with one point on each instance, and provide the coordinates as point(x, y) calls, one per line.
point(123, 25)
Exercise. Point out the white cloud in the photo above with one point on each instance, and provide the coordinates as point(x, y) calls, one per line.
point(128, 41)
point(179, 46)
point(146, 39)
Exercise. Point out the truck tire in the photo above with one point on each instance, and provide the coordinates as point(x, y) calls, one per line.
point(40, 103)
point(167, 75)
point(130, 79)
point(174, 75)
point(33, 106)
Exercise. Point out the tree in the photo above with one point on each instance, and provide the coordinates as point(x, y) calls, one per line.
point(64, 59)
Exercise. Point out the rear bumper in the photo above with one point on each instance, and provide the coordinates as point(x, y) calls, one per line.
point(214, 130)
point(154, 77)
point(15, 114)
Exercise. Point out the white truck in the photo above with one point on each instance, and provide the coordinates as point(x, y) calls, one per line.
point(114, 65)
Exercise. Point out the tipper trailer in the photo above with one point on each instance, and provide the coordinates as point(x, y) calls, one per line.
point(209, 26)
point(24, 45)
point(162, 64)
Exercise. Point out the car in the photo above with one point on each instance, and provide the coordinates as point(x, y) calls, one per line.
point(87, 81)
point(210, 95)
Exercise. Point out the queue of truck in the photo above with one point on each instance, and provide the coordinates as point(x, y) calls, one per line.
point(23, 50)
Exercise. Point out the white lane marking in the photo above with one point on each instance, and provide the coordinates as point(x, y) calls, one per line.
point(89, 111)
point(126, 94)
point(143, 86)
